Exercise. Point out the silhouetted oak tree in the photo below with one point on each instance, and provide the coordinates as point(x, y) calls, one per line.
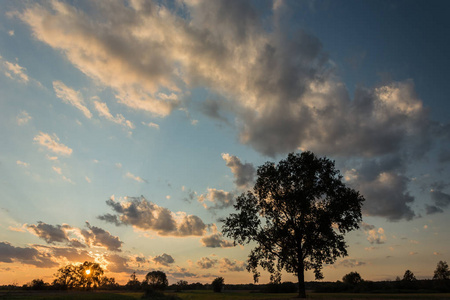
point(156, 280)
point(297, 214)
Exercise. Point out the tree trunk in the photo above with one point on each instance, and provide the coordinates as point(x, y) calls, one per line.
point(301, 281)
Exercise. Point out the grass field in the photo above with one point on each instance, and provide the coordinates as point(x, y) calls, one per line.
point(205, 295)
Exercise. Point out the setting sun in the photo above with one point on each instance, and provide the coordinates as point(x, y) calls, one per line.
point(88, 272)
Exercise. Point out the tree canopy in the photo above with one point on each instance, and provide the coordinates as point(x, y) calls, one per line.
point(86, 275)
point(442, 271)
point(156, 280)
point(352, 278)
point(298, 214)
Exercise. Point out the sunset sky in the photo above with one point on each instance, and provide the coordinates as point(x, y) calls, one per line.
point(127, 129)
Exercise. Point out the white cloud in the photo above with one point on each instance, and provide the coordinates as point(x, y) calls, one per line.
point(219, 198)
point(151, 125)
point(23, 118)
point(57, 170)
point(72, 97)
point(11, 32)
point(51, 142)
point(87, 179)
point(21, 163)
point(103, 111)
point(134, 177)
point(14, 71)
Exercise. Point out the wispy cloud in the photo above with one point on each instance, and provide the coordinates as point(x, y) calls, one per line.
point(14, 71)
point(72, 97)
point(151, 125)
point(51, 142)
point(134, 177)
point(103, 111)
point(21, 163)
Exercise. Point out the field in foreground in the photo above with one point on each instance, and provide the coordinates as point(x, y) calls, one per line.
point(205, 295)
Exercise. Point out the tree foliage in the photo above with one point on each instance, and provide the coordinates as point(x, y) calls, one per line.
point(409, 276)
point(218, 284)
point(156, 280)
point(298, 214)
point(442, 271)
point(86, 275)
point(352, 278)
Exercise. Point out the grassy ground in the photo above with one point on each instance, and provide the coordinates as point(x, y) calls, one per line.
point(206, 295)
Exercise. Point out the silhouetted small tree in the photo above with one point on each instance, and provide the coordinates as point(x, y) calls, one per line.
point(37, 284)
point(133, 283)
point(442, 271)
point(181, 285)
point(218, 284)
point(352, 278)
point(409, 276)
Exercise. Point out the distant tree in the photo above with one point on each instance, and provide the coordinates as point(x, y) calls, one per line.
point(218, 284)
point(86, 275)
point(442, 271)
point(156, 280)
point(409, 276)
point(133, 283)
point(181, 285)
point(298, 214)
point(352, 278)
point(37, 284)
point(108, 282)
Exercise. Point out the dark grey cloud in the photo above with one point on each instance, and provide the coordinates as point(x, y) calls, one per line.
point(244, 174)
point(96, 236)
point(50, 233)
point(216, 241)
point(25, 255)
point(440, 199)
point(164, 259)
point(143, 214)
point(207, 263)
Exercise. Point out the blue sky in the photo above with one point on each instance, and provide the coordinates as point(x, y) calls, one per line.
point(128, 128)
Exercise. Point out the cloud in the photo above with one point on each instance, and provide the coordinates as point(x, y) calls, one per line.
point(21, 163)
point(134, 177)
point(52, 143)
point(151, 125)
point(219, 198)
point(50, 233)
point(96, 236)
point(441, 201)
point(145, 215)
point(103, 111)
point(14, 71)
point(25, 255)
point(226, 265)
point(92, 237)
point(72, 97)
point(244, 174)
point(23, 118)
point(350, 263)
point(374, 235)
point(216, 241)
point(164, 259)
point(207, 263)
point(118, 264)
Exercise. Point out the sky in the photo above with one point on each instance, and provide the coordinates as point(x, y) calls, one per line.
point(129, 127)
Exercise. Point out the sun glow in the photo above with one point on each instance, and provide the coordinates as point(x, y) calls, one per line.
point(88, 272)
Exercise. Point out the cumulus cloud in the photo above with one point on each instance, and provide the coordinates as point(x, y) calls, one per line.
point(207, 263)
point(216, 241)
point(145, 215)
point(278, 84)
point(25, 255)
point(227, 265)
point(164, 259)
point(72, 97)
point(92, 237)
point(118, 264)
point(103, 111)
point(244, 174)
point(219, 198)
point(96, 236)
point(51, 142)
point(50, 233)
point(374, 235)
